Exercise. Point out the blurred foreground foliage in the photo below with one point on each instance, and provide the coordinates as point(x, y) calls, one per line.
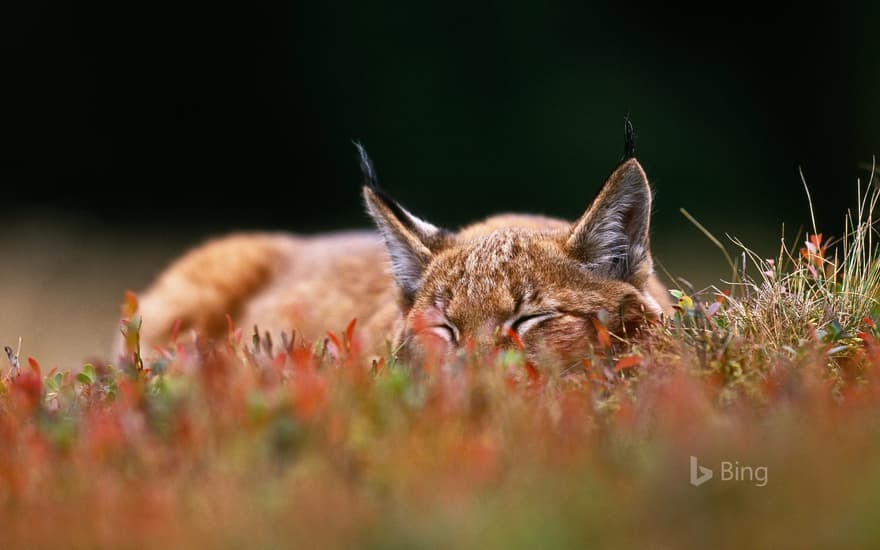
point(250, 443)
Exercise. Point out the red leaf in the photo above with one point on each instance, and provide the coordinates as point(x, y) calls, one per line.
point(627, 362)
point(349, 332)
point(35, 366)
point(532, 371)
point(814, 251)
point(602, 335)
point(130, 305)
point(302, 358)
point(514, 337)
point(587, 364)
point(335, 341)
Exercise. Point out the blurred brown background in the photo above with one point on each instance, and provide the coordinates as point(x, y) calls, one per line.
point(62, 283)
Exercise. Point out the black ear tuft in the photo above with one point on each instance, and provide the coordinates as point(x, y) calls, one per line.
point(411, 242)
point(371, 181)
point(629, 140)
point(369, 172)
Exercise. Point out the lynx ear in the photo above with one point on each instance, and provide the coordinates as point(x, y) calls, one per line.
point(611, 238)
point(411, 242)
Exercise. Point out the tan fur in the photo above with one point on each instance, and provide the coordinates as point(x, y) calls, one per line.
point(476, 281)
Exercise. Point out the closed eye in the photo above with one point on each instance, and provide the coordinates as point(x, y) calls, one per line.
point(447, 332)
point(523, 323)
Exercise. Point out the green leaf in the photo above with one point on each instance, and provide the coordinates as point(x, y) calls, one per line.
point(87, 374)
point(54, 382)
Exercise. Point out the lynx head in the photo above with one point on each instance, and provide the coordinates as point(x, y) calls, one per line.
point(543, 279)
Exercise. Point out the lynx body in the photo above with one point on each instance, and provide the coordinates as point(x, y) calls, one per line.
point(412, 285)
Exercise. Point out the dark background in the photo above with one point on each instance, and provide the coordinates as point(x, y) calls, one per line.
point(185, 119)
point(229, 116)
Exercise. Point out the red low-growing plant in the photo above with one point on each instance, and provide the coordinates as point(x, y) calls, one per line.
point(772, 385)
